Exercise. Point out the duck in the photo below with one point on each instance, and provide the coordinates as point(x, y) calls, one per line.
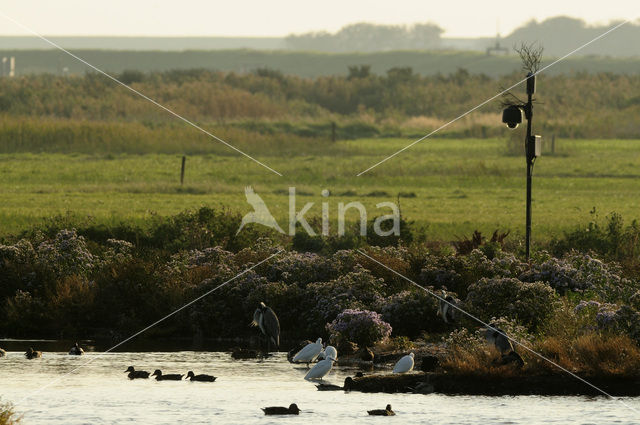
point(32, 354)
point(380, 412)
point(2, 353)
point(405, 364)
point(329, 387)
point(367, 355)
point(136, 374)
point(200, 378)
point(76, 350)
point(169, 377)
point(277, 410)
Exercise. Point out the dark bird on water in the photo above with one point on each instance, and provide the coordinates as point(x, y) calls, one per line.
point(136, 374)
point(291, 410)
point(169, 377)
point(267, 321)
point(200, 378)
point(76, 350)
point(32, 354)
point(380, 412)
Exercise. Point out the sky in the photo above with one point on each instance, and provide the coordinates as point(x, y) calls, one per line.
point(278, 18)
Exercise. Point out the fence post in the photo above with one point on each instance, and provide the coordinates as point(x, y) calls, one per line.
point(184, 159)
point(553, 144)
point(333, 131)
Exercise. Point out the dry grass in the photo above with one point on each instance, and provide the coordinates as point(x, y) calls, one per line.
point(8, 416)
point(593, 354)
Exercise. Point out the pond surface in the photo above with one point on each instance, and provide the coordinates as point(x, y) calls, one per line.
point(100, 393)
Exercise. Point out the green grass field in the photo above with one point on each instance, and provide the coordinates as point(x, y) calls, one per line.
point(459, 185)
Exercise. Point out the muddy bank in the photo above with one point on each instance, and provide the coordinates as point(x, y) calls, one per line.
point(438, 382)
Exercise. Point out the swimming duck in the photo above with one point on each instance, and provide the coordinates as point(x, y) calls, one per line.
point(291, 410)
point(170, 377)
point(32, 354)
point(379, 412)
point(76, 350)
point(136, 374)
point(200, 378)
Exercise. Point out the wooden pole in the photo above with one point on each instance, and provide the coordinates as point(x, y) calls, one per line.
point(184, 159)
point(333, 131)
point(553, 144)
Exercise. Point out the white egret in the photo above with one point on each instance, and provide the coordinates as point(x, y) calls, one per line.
point(405, 364)
point(320, 369)
point(308, 353)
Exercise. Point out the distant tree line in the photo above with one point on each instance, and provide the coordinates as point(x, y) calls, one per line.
point(364, 37)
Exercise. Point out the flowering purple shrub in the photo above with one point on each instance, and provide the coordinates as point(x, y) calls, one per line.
point(363, 327)
point(67, 254)
point(301, 268)
point(322, 301)
point(456, 273)
point(581, 272)
point(411, 312)
point(530, 303)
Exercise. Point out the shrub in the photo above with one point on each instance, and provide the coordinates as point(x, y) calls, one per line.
point(528, 303)
point(7, 415)
point(412, 312)
point(323, 301)
point(363, 327)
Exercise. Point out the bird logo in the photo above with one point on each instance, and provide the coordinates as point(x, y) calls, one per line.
point(260, 213)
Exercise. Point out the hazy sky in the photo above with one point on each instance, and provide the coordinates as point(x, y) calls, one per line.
point(282, 17)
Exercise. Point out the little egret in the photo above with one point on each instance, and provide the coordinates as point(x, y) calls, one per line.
point(277, 410)
point(320, 369)
point(267, 321)
point(200, 378)
point(308, 353)
point(331, 351)
point(380, 412)
point(2, 352)
point(76, 350)
point(405, 364)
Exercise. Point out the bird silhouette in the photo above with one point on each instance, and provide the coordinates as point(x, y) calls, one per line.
point(260, 213)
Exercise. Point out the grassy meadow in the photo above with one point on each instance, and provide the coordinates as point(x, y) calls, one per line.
point(448, 186)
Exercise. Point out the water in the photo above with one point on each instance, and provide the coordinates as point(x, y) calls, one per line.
point(100, 393)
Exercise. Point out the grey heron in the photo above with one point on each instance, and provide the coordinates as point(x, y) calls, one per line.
point(498, 338)
point(446, 308)
point(267, 321)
